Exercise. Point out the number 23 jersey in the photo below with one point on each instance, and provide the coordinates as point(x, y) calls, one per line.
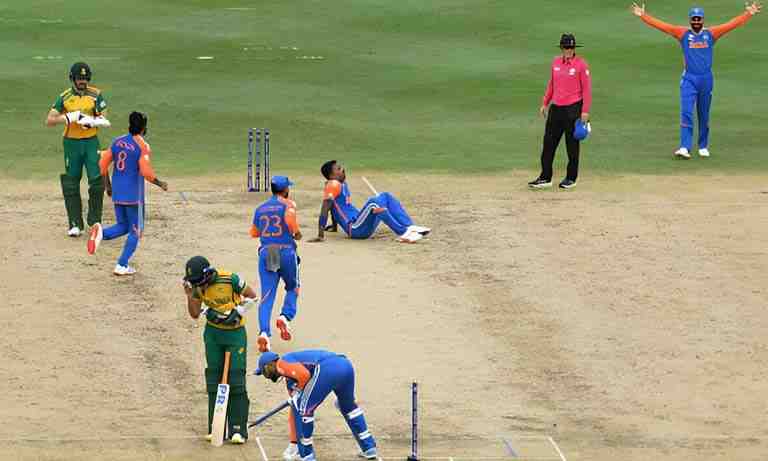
point(275, 223)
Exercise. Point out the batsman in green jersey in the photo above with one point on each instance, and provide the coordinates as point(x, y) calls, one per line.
point(82, 108)
point(223, 298)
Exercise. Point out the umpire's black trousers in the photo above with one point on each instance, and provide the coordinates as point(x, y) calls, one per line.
point(561, 119)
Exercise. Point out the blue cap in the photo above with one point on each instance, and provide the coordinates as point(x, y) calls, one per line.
point(581, 130)
point(264, 359)
point(696, 12)
point(281, 182)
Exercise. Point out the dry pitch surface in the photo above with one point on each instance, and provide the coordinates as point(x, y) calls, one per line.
point(626, 319)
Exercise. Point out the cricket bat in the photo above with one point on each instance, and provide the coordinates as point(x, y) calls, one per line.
point(370, 186)
point(219, 423)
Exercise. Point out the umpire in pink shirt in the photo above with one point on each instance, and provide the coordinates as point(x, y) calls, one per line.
point(568, 98)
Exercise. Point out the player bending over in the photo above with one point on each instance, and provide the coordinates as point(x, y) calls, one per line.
point(361, 224)
point(129, 156)
point(311, 375)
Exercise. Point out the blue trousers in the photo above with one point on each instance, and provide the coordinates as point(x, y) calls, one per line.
point(289, 272)
point(695, 90)
point(335, 375)
point(128, 222)
point(383, 207)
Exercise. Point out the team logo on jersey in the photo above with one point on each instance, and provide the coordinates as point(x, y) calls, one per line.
point(572, 71)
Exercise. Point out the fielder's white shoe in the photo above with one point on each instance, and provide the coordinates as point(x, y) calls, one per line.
point(263, 342)
point(95, 239)
point(683, 153)
point(291, 453)
point(124, 270)
point(283, 324)
point(237, 439)
point(704, 152)
point(74, 231)
point(370, 453)
point(420, 229)
point(409, 237)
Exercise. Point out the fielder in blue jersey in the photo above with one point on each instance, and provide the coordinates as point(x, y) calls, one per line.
point(277, 228)
point(311, 375)
point(697, 82)
point(362, 223)
point(130, 158)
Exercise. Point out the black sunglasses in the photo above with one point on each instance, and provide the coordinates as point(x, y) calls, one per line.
point(568, 47)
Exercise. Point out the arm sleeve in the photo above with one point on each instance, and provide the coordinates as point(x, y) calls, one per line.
point(104, 161)
point(145, 164)
point(548, 92)
point(586, 88)
point(738, 21)
point(238, 284)
point(58, 105)
point(332, 190)
point(295, 371)
point(675, 31)
point(291, 220)
point(101, 105)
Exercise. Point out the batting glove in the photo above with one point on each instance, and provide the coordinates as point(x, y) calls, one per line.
point(101, 122)
point(247, 304)
point(86, 121)
point(72, 117)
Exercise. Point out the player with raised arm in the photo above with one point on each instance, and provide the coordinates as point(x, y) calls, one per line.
point(697, 82)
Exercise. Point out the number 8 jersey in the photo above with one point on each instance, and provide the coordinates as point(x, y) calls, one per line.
point(130, 158)
point(275, 223)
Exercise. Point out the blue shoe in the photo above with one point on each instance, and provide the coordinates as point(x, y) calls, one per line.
point(370, 453)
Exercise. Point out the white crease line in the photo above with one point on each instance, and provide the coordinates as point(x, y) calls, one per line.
point(552, 441)
point(261, 448)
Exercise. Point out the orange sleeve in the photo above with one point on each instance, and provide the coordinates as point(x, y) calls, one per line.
point(104, 161)
point(291, 220)
point(675, 31)
point(145, 164)
point(254, 231)
point(295, 371)
point(738, 21)
point(332, 189)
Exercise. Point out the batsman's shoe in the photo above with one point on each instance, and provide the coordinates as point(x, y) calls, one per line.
point(567, 184)
point(292, 452)
point(540, 183)
point(97, 233)
point(263, 342)
point(704, 152)
point(283, 324)
point(409, 237)
point(74, 231)
point(370, 453)
point(124, 270)
point(237, 439)
point(420, 229)
point(683, 153)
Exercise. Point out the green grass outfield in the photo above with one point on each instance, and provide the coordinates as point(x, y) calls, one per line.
point(445, 85)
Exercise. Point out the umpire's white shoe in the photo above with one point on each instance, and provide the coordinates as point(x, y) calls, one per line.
point(704, 152)
point(124, 270)
point(291, 453)
point(237, 439)
point(209, 437)
point(683, 153)
point(95, 238)
point(74, 231)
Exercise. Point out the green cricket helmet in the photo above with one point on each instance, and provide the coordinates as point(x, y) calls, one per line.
point(80, 71)
point(199, 271)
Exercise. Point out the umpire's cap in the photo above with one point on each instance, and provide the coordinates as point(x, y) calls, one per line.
point(80, 71)
point(568, 41)
point(198, 271)
point(264, 359)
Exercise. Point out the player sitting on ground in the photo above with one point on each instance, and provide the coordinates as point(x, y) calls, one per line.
point(361, 224)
